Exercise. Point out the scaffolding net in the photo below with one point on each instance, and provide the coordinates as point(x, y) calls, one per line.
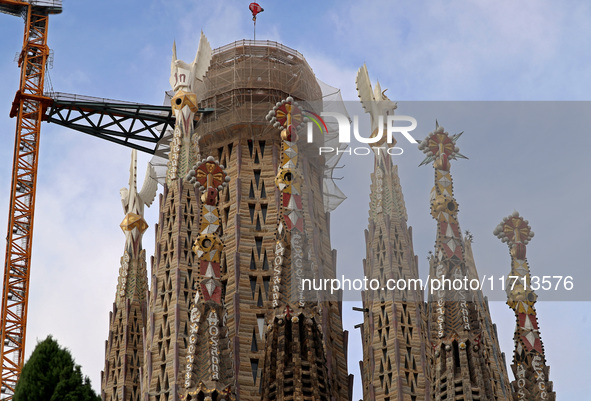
point(244, 81)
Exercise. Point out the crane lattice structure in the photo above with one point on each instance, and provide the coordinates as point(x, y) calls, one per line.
point(28, 106)
point(138, 126)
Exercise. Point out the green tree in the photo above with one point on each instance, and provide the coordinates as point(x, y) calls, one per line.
point(50, 374)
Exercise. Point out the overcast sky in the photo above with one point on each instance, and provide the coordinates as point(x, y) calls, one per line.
point(530, 157)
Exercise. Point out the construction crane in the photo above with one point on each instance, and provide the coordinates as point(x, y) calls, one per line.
point(29, 106)
point(135, 125)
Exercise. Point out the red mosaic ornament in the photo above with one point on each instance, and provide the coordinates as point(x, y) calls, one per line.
point(215, 295)
point(204, 266)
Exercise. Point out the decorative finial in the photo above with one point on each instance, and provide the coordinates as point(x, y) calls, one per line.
point(441, 147)
point(516, 233)
point(133, 201)
point(287, 116)
point(514, 230)
point(208, 173)
point(210, 177)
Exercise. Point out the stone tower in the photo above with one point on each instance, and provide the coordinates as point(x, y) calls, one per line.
point(529, 362)
point(462, 367)
point(297, 361)
point(393, 334)
point(176, 274)
point(244, 80)
point(124, 351)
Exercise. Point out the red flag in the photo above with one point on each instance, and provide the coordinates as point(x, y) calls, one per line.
point(255, 8)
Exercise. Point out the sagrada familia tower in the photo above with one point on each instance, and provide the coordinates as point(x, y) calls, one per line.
point(243, 219)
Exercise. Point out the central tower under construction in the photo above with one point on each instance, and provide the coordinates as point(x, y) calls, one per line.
point(244, 81)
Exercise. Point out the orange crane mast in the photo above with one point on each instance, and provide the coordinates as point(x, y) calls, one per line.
point(29, 107)
point(144, 127)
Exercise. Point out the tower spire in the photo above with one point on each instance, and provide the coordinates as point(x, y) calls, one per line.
point(292, 370)
point(460, 367)
point(529, 362)
point(176, 273)
point(393, 331)
point(249, 210)
point(120, 380)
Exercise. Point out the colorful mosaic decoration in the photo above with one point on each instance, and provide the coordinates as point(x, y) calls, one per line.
point(529, 362)
point(294, 322)
point(454, 313)
point(440, 148)
point(207, 311)
point(287, 116)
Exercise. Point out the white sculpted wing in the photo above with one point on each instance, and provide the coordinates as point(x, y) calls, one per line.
point(365, 91)
point(124, 198)
point(185, 76)
point(202, 59)
point(150, 187)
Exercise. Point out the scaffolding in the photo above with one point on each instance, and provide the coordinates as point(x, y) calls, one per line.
point(244, 81)
point(247, 76)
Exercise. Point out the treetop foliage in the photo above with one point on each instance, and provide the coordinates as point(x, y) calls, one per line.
point(50, 374)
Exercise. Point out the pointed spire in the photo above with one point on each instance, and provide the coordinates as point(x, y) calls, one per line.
point(449, 248)
point(457, 318)
point(124, 354)
point(529, 361)
point(391, 315)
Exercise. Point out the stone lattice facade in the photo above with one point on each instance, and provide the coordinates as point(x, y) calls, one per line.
point(124, 356)
point(394, 332)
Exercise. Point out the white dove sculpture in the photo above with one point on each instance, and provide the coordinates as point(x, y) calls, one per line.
point(374, 102)
point(184, 79)
point(185, 76)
